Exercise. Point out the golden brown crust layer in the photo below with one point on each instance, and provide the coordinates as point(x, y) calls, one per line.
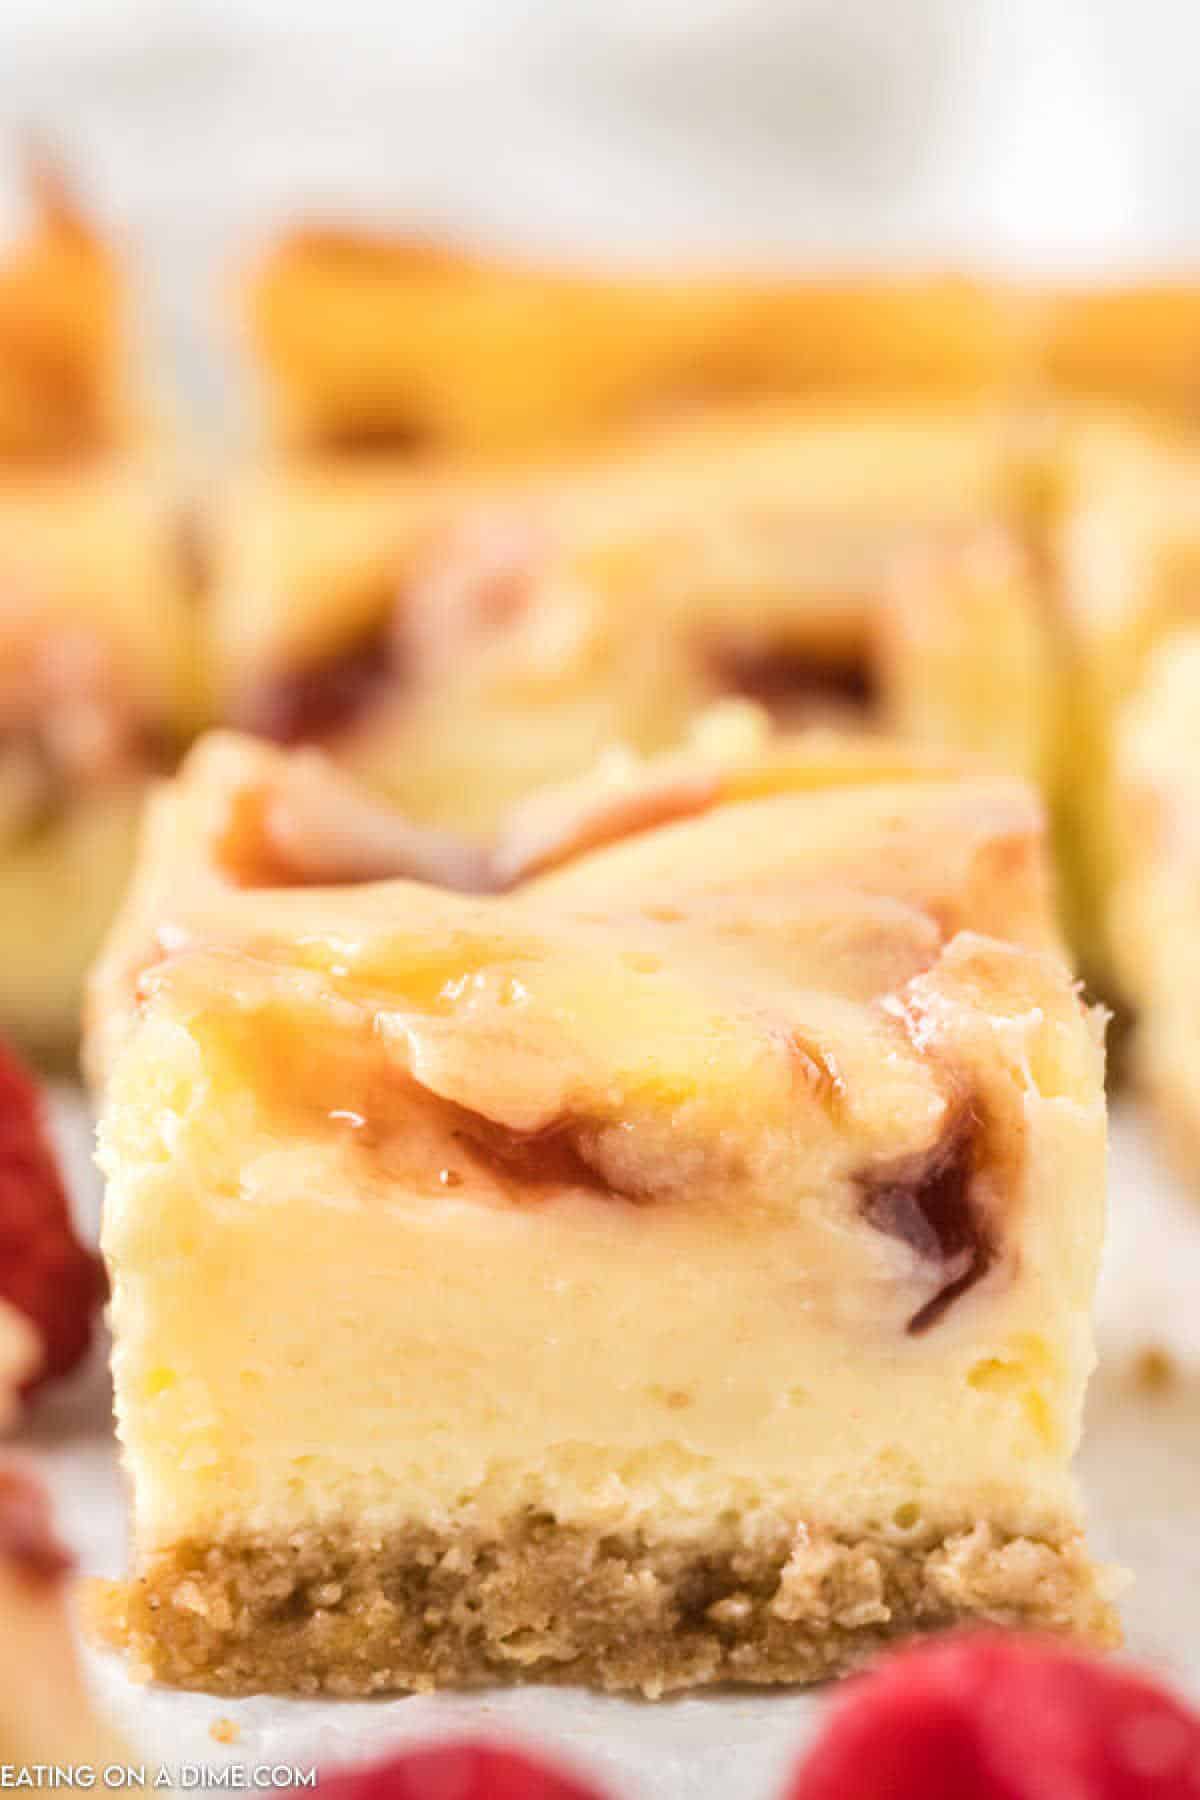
point(331, 1612)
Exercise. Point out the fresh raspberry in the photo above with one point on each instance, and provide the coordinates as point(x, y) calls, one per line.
point(45, 1272)
point(984, 1717)
point(28, 1546)
point(458, 1771)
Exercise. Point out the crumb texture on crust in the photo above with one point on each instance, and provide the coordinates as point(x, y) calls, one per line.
point(423, 1608)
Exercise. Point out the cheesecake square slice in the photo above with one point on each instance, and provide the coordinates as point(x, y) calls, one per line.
point(668, 1263)
point(64, 373)
point(1121, 561)
point(1155, 900)
point(97, 688)
point(458, 641)
point(96, 672)
point(374, 340)
point(1130, 344)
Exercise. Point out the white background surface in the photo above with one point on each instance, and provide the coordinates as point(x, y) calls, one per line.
point(1141, 1471)
point(1039, 127)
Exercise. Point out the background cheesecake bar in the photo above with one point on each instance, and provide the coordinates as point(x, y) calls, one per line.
point(374, 340)
point(1155, 901)
point(64, 375)
point(378, 339)
point(96, 659)
point(96, 686)
point(1130, 344)
point(1115, 515)
point(458, 638)
point(669, 1263)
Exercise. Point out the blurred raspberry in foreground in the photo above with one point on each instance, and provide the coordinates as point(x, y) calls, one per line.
point(973, 1717)
point(50, 1285)
point(46, 1714)
point(457, 1771)
point(1003, 1718)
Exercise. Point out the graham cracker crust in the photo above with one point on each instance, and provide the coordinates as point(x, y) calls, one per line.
point(327, 1612)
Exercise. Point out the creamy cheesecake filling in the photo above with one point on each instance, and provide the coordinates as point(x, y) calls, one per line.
point(647, 1425)
point(746, 1216)
point(443, 1419)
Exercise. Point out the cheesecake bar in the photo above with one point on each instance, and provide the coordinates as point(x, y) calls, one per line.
point(97, 684)
point(659, 1253)
point(64, 377)
point(458, 644)
point(1155, 902)
point(1129, 344)
point(1121, 564)
point(96, 661)
point(370, 340)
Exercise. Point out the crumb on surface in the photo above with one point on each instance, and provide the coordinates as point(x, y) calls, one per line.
point(224, 1731)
